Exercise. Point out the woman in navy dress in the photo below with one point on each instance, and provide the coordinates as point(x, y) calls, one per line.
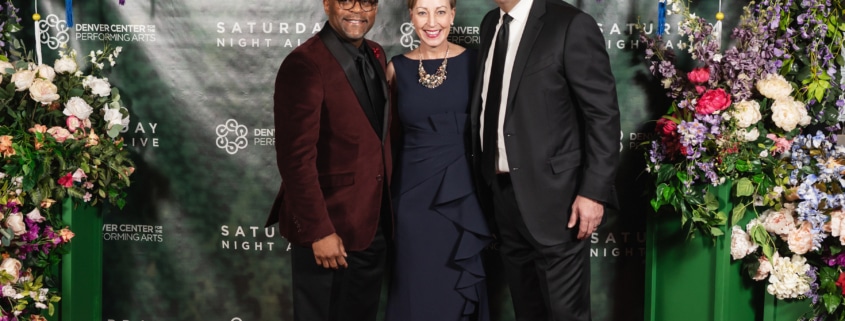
point(440, 229)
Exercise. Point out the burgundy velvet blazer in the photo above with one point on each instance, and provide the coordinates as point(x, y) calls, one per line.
point(332, 162)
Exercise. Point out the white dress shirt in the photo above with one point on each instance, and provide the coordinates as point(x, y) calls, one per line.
point(519, 13)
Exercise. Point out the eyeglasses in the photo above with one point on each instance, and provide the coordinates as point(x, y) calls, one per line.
point(366, 5)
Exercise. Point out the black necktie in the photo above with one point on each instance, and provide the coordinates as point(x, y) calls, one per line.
point(493, 100)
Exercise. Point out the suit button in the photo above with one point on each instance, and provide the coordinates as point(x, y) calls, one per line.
point(379, 178)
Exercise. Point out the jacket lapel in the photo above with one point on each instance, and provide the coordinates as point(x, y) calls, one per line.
point(488, 28)
point(533, 26)
point(384, 91)
point(347, 62)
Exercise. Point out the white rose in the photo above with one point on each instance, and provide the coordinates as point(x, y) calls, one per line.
point(9, 291)
point(23, 79)
point(113, 117)
point(747, 113)
point(43, 91)
point(774, 86)
point(15, 222)
point(78, 107)
point(788, 113)
point(65, 65)
point(749, 135)
point(99, 86)
point(46, 72)
point(13, 267)
point(4, 66)
point(741, 243)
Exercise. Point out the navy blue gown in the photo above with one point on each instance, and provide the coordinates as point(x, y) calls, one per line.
point(440, 229)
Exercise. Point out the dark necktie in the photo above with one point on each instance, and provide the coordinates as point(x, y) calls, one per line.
point(493, 100)
point(371, 82)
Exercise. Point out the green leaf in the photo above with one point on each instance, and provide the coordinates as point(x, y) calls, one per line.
point(738, 213)
point(831, 301)
point(115, 130)
point(76, 92)
point(715, 231)
point(711, 202)
point(768, 251)
point(742, 165)
point(744, 187)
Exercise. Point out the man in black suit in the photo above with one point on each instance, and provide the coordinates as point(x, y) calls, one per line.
point(545, 128)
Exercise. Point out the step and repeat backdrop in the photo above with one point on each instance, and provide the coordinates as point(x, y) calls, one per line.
point(197, 77)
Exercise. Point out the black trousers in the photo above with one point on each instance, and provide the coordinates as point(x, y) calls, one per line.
point(547, 283)
point(345, 294)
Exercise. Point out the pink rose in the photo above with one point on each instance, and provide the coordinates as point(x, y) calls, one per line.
point(780, 223)
point(699, 75)
point(713, 101)
point(60, 134)
point(781, 144)
point(67, 180)
point(666, 127)
point(700, 89)
point(800, 240)
point(73, 124)
point(79, 175)
point(66, 235)
point(764, 269)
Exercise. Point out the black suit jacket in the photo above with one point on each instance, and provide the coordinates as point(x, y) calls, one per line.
point(561, 129)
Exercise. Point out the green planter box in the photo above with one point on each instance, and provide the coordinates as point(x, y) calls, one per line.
point(82, 267)
point(695, 280)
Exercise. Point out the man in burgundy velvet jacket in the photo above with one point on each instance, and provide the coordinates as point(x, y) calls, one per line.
point(333, 153)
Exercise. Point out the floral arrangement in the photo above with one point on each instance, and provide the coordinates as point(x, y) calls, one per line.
point(59, 138)
point(760, 116)
point(9, 23)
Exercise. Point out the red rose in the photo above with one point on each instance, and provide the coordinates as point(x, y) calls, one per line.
point(667, 127)
point(67, 180)
point(377, 53)
point(841, 282)
point(668, 131)
point(699, 75)
point(713, 101)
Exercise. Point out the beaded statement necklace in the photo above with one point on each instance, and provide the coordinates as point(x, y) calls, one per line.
point(436, 79)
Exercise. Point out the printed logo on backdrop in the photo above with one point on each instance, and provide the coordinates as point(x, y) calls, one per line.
point(55, 32)
point(233, 137)
point(462, 35)
point(263, 34)
point(143, 135)
point(636, 139)
point(622, 36)
point(133, 232)
point(617, 244)
point(248, 238)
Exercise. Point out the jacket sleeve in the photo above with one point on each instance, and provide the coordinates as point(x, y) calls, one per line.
point(297, 104)
point(594, 89)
